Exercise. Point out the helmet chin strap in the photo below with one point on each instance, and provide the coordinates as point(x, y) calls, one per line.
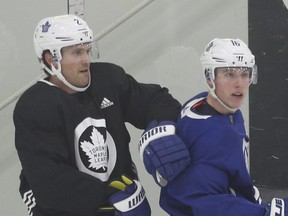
point(58, 73)
point(213, 94)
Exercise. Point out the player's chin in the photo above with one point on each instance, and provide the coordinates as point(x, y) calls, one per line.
point(82, 83)
point(83, 79)
point(236, 104)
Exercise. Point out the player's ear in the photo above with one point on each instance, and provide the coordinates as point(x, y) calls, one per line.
point(47, 56)
point(210, 84)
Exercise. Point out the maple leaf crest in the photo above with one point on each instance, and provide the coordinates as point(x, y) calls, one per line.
point(46, 27)
point(96, 151)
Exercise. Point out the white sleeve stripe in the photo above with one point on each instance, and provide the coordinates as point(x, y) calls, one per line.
point(29, 201)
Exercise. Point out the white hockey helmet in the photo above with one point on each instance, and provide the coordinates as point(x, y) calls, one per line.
point(227, 53)
point(54, 33)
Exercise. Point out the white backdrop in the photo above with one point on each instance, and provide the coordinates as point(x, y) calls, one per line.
point(161, 44)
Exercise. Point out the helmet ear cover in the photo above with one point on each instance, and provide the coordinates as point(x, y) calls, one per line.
point(44, 61)
point(208, 74)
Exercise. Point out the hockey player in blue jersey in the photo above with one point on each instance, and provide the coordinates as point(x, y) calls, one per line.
point(217, 182)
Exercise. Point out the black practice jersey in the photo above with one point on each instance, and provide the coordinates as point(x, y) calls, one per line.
point(71, 145)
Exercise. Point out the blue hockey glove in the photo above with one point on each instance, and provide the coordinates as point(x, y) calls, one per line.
point(164, 154)
point(131, 199)
point(277, 207)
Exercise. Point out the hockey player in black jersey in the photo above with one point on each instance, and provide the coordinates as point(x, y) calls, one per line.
point(70, 131)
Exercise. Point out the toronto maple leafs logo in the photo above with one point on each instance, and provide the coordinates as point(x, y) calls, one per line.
point(96, 150)
point(46, 27)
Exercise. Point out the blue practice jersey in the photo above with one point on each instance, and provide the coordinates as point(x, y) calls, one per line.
point(217, 182)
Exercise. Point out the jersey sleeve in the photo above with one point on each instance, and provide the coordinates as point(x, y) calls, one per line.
point(41, 145)
point(147, 102)
point(141, 102)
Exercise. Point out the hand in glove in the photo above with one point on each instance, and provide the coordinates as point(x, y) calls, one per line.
point(277, 207)
point(131, 199)
point(164, 154)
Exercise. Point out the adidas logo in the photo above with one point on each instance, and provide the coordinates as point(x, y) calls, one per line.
point(106, 103)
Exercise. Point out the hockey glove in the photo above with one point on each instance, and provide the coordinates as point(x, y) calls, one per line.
point(277, 207)
point(131, 199)
point(164, 154)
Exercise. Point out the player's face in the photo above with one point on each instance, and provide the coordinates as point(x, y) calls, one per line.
point(75, 64)
point(232, 85)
